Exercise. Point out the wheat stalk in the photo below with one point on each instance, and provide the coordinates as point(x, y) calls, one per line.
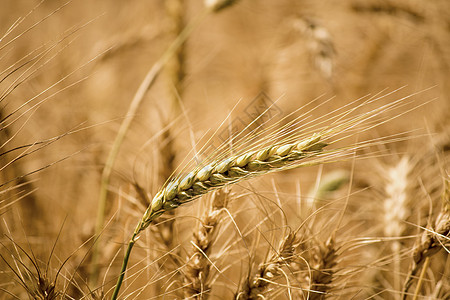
point(176, 66)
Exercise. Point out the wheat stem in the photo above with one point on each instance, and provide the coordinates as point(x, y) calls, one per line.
point(422, 275)
point(124, 265)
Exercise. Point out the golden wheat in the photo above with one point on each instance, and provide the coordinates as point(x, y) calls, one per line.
point(299, 234)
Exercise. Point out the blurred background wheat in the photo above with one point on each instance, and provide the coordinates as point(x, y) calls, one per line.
point(367, 228)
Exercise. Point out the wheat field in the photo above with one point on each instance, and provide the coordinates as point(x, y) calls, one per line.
point(225, 149)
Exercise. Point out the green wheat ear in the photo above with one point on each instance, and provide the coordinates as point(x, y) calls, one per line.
point(229, 171)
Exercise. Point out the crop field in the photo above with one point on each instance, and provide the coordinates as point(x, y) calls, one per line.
point(224, 149)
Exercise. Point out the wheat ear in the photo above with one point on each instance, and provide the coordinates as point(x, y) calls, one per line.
point(324, 260)
point(432, 240)
point(198, 267)
point(228, 171)
point(396, 209)
point(319, 43)
point(268, 271)
point(395, 203)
